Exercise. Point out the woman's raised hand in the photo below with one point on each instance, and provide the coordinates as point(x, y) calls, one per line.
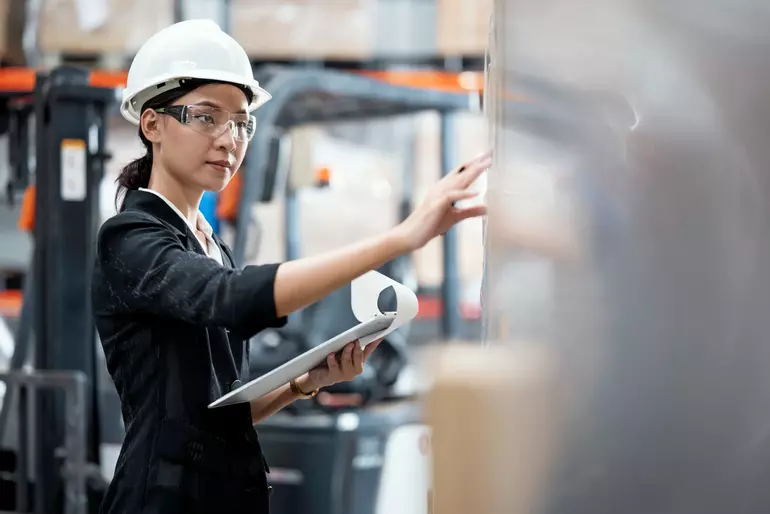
point(437, 213)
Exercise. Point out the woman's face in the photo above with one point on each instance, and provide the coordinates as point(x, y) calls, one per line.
point(194, 154)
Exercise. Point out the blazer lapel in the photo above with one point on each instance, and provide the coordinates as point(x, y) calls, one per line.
point(227, 256)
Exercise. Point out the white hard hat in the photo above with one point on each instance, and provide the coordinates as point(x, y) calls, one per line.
point(193, 49)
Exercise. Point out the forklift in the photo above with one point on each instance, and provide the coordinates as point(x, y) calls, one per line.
point(50, 461)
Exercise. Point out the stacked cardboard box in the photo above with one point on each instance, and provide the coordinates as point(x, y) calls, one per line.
point(277, 29)
point(333, 30)
point(119, 26)
point(304, 28)
point(463, 26)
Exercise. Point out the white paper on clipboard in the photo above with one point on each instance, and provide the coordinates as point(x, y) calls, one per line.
point(365, 294)
point(364, 297)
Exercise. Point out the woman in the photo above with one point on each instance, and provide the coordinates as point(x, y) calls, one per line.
point(175, 316)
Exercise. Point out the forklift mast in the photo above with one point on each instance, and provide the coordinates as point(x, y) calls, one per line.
point(70, 120)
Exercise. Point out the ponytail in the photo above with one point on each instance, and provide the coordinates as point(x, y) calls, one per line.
point(136, 174)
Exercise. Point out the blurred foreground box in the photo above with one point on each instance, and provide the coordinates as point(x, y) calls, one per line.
point(113, 26)
point(334, 29)
point(493, 413)
point(463, 26)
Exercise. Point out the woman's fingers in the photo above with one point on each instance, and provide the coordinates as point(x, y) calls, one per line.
point(349, 363)
point(358, 358)
point(331, 363)
point(469, 212)
point(472, 172)
point(460, 180)
point(458, 195)
point(481, 161)
point(370, 348)
point(346, 361)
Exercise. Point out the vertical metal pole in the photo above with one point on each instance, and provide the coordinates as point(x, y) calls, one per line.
point(22, 469)
point(226, 23)
point(407, 177)
point(179, 11)
point(291, 224)
point(450, 289)
point(76, 443)
point(22, 165)
point(45, 465)
point(283, 183)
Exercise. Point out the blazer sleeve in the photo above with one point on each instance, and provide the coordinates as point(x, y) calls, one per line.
point(149, 270)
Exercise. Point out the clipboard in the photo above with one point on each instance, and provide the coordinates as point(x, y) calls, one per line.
point(374, 325)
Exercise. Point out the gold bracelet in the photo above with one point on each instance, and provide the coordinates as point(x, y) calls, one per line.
point(299, 393)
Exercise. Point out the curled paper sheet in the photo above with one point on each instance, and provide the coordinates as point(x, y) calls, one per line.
point(365, 294)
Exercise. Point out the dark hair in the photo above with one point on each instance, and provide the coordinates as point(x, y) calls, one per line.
point(137, 173)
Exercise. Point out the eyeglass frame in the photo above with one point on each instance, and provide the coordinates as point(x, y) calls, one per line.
point(179, 113)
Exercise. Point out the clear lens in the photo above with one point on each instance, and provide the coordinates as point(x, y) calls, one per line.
point(213, 122)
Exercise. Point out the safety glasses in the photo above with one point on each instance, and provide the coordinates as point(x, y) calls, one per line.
point(212, 121)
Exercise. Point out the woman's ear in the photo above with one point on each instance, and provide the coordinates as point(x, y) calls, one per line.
point(150, 123)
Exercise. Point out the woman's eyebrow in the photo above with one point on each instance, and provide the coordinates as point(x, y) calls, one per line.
point(209, 103)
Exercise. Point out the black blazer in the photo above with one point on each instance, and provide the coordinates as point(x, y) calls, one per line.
point(175, 326)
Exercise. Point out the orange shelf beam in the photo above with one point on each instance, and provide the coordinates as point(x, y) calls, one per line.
point(22, 80)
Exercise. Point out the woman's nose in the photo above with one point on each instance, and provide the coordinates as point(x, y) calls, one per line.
point(227, 139)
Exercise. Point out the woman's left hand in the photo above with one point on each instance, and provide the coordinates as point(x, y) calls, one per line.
point(341, 367)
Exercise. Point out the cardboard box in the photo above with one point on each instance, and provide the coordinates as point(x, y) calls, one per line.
point(309, 29)
point(463, 27)
point(493, 413)
point(128, 24)
point(334, 30)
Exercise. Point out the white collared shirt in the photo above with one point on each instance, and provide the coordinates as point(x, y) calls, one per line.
point(209, 245)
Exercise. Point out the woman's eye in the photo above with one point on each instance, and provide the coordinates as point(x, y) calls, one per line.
point(205, 118)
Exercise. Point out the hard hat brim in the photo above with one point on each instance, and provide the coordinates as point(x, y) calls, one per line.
point(135, 98)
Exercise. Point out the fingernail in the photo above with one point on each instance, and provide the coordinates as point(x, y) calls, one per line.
point(462, 168)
